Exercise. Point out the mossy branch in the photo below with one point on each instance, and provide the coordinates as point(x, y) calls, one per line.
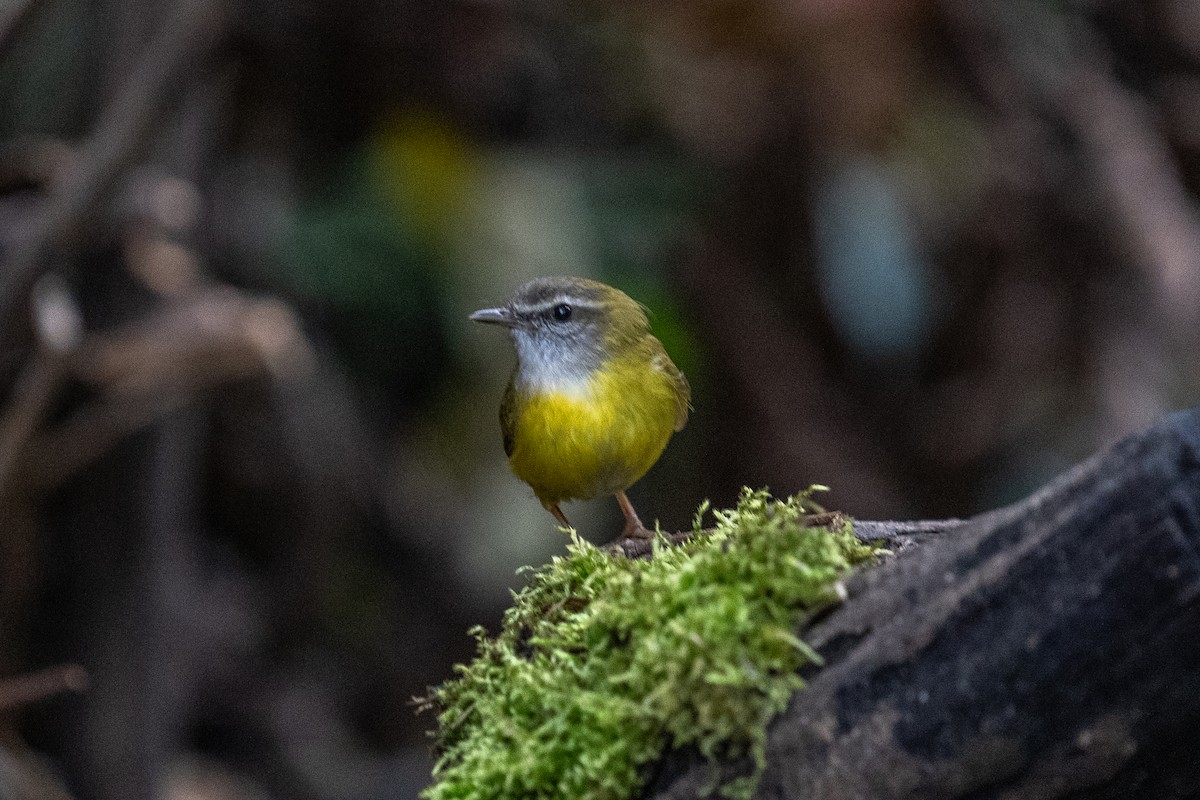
point(645, 548)
point(604, 662)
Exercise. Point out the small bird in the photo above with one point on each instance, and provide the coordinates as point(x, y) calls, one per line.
point(594, 396)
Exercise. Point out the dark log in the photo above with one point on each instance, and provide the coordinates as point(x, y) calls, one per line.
point(1050, 649)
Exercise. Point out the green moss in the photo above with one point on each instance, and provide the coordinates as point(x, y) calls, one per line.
point(604, 662)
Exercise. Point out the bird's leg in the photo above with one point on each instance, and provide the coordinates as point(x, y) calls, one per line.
point(558, 514)
point(634, 529)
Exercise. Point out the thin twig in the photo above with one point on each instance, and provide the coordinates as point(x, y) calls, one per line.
point(644, 548)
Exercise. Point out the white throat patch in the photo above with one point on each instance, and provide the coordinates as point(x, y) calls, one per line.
point(545, 366)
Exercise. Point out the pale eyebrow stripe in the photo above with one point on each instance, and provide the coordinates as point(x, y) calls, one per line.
point(571, 300)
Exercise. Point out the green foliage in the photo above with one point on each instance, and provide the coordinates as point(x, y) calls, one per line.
point(603, 662)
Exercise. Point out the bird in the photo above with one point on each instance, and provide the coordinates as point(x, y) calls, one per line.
point(593, 398)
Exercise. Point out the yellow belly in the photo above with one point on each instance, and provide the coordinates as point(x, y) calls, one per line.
point(599, 441)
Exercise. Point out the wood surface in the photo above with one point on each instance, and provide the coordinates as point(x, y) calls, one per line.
point(1050, 649)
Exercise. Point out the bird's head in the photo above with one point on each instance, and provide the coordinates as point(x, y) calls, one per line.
point(566, 327)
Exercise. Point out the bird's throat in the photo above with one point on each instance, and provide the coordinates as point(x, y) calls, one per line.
point(543, 368)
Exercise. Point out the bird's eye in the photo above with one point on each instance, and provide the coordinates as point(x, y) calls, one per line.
point(561, 312)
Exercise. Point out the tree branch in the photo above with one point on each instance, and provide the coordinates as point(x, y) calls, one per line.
point(1045, 650)
point(36, 686)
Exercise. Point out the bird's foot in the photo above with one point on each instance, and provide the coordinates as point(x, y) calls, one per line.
point(559, 516)
point(637, 531)
point(634, 529)
point(631, 533)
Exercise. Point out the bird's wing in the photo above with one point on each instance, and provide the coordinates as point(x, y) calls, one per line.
point(683, 397)
point(508, 417)
point(683, 390)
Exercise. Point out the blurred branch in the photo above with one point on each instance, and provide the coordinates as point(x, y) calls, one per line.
point(1032, 61)
point(31, 395)
point(59, 327)
point(206, 336)
point(38, 163)
point(1147, 200)
point(25, 775)
point(36, 686)
point(11, 19)
point(152, 367)
point(189, 34)
point(1042, 67)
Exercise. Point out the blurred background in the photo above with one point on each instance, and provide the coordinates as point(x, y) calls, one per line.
point(928, 252)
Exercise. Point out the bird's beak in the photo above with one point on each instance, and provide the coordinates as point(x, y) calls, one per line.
point(496, 316)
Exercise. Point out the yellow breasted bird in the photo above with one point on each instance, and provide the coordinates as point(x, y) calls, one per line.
point(594, 396)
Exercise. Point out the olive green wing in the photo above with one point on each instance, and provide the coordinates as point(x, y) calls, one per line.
point(508, 417)
point(683, 396)
point(683, 390)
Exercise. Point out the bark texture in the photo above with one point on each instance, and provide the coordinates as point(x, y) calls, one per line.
point(1047, 650)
